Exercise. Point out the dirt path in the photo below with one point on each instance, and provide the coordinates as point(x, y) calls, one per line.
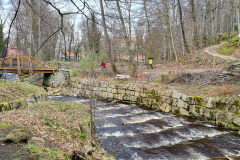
point(213, 50)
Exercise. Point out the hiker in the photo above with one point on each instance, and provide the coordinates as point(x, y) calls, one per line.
point(104, 66)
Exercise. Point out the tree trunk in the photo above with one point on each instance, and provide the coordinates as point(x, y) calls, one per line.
point(195, 33)
point(182, 29)
point(70, 43)
point(170, 29)
point(39, 31)
point(149, 32)
point(212, 21)
point(107, 39)
point(237, 14)
point(127, 42)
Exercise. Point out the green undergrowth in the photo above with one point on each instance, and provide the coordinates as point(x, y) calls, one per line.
point(4, 125)
point(74, 73)
point(229, 47)
point(11, 91)
point(59, 121)
point(46, 153)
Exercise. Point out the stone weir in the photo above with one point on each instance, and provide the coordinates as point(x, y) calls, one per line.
point(211, 110)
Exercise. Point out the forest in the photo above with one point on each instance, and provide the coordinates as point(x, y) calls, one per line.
point(115, 30)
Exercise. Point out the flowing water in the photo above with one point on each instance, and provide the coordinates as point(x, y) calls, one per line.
point(130, 132)
point(9, 76)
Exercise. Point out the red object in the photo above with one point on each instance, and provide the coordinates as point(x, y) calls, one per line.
point(104, 64)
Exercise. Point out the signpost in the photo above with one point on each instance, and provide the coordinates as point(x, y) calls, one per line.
point(150, 61)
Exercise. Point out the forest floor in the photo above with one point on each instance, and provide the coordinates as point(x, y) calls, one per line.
point(193, 75)
point(53, 128)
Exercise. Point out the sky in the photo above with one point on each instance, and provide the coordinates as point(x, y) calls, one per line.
point(64, 6)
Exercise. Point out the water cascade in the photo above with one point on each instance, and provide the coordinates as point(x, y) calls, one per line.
point(130, 132)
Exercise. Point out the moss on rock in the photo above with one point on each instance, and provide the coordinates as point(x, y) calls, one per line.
point(4, 125)
point(4, 107)
point(198, 100)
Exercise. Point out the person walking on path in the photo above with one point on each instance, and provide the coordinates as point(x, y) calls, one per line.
point(104, 66)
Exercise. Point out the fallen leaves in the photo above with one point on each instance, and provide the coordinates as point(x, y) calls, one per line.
point(56, 121)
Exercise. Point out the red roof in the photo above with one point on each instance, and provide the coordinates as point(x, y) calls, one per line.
point(13, 51)
point(140, 57)
point(71, 54)
point(133, 39)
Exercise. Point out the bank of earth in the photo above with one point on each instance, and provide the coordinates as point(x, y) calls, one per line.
point(55, 130)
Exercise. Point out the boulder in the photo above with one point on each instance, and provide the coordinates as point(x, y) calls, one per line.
point(175, 110)
point(17, 135)
point(183, 112)
point(191, 100)
point(95, 156)
point(168, 108)
point(223, 116)
point(89, 150)
point(199, 100)
point(192, 109)
point(30, 101)
point(236, 121)
point(184, 97)
point(174, 102)
point(38, 141)
point(210, 103)
point(167, 93)
point(78, 155)
point(182, 104)
point(176, 95)
point(104, 84)
point(167, 99)
point(85, 128)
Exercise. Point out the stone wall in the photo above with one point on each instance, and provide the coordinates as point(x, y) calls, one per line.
point(59, 78)
point(211, 110)
point(23, 102)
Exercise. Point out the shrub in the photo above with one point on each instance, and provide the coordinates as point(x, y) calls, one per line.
point(74, 73)
point(83, 136)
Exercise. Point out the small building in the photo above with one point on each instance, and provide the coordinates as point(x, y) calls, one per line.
point(62, 56)
point(12, 51)
point(72, 55)
point(140, 58)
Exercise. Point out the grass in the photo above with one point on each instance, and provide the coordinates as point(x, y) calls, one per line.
point(12, 91)
point(58, 120)
point(4, 125)
point(83, 136)
point(74, 73)
point(229, 47)
point(47, 153)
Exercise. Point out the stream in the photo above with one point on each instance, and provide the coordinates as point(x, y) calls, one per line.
point(9, 76)
point(130, 132)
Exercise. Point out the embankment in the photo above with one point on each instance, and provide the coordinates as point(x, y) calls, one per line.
point(14, 95)
point(224, 114)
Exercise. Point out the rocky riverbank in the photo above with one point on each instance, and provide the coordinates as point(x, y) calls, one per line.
point(59, 130)
point(216, 111)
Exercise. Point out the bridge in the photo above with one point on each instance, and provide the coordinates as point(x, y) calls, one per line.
point(24, 64)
